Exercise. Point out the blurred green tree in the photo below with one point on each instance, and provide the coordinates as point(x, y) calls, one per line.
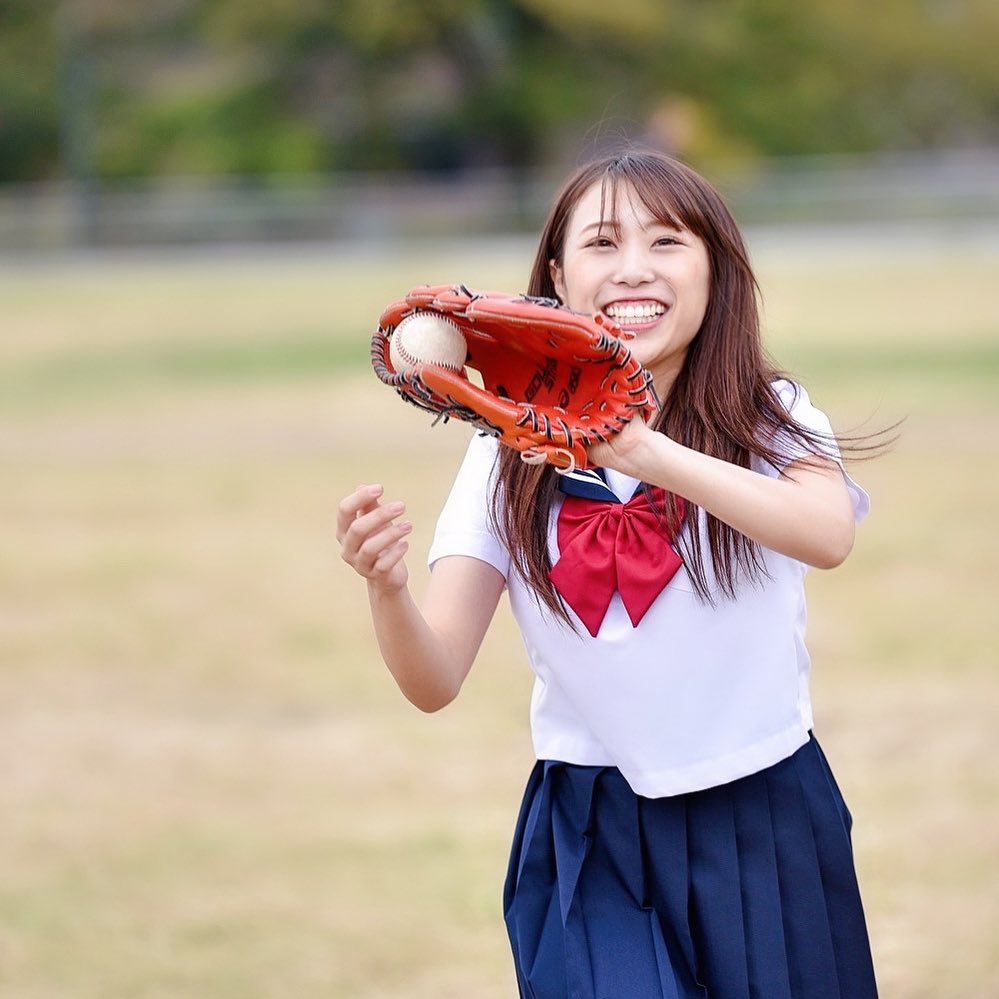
point(298, 86)
point(29, 91)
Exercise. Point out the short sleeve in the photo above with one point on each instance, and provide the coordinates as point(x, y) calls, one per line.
point(463, 527)
point(799, 405)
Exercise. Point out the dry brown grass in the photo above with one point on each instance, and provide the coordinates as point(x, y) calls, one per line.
point(210, 786)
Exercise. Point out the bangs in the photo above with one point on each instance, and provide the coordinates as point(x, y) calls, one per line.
point(656, 192)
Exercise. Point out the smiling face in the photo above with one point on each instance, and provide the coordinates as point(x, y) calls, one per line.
point(651, 278)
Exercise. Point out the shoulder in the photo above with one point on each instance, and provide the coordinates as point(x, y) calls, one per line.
point(789, 393)
point(798, 404)
point(464, 526)
point(476, 476)
point(481, 453)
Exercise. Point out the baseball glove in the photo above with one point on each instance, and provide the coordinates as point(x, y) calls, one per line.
point(554, 381)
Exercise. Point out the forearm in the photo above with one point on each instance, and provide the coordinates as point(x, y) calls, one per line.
point(805, 514)
point(430, 649)
point(426, 671)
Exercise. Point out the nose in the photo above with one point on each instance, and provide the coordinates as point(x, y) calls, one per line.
point(634, 267)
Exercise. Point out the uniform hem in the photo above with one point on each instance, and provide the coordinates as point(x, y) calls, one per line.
point(694, 777)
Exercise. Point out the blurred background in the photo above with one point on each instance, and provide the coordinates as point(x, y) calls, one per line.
point(209, 785)
point(178, 120)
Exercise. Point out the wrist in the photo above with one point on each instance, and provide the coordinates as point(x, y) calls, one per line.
point(383, 592)
point(636, 449)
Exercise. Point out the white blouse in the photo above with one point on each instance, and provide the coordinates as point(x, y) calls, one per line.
point(698, 694)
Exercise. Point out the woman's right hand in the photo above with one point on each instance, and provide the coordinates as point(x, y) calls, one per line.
point(372, 543)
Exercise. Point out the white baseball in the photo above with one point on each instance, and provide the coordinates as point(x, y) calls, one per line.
point(427, 338)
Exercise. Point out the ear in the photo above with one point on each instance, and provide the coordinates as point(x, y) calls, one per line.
point(557, 279)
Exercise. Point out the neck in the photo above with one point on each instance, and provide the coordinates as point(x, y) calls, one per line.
point(663, 380)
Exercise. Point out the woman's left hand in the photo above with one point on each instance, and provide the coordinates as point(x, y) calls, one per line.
point(623, 452)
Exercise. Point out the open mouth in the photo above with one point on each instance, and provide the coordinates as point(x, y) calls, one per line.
point(634, 316)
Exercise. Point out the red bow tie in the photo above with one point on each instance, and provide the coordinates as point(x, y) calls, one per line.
point(613, 546)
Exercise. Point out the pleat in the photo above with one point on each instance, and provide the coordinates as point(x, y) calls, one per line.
point(531, 908)
point(620, 941)
point(807, 935)
point(668, 980)
point(831, 824)
point(744, 891)
point(666, 873)
point(765, 948)
point(716, 893)
point(526, 818)
point(571, 816)
point(572, 822)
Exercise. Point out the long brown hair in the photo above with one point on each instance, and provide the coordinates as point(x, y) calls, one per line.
point(723, 402)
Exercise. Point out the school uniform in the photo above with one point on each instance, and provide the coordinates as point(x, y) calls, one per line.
point(681, 834)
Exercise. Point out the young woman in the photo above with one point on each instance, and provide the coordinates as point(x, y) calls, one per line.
point(681, 834)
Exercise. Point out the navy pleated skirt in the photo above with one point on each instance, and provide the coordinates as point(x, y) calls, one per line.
point(743, 891)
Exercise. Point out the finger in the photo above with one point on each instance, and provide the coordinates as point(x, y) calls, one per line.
point(369, 524)
point(391, 557)
point(363, 556)
point(362, 499)
point(371, 550)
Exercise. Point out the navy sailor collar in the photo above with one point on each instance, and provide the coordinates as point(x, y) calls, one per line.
point(590, 484)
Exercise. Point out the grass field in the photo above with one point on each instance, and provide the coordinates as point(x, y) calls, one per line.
point(209, 785)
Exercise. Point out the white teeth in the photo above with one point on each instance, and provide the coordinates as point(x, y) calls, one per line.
point(643, 311)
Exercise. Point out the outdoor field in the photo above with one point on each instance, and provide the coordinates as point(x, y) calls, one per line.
point(210, 786)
